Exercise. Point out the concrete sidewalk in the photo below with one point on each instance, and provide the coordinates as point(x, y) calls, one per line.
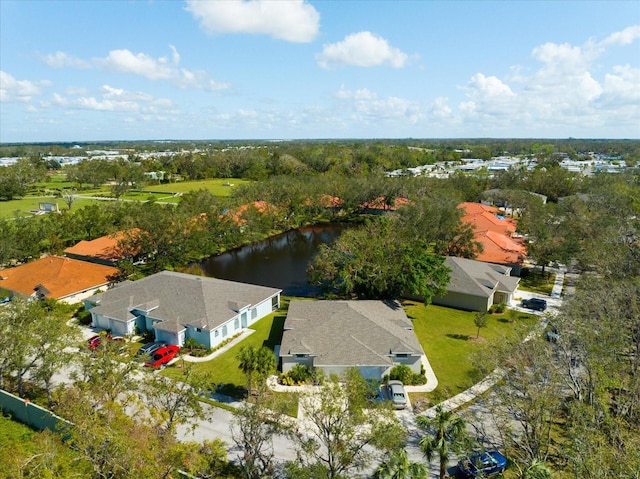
point(219, 351)
point(488, 382)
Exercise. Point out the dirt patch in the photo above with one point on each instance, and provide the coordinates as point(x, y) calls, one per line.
point(479, 339)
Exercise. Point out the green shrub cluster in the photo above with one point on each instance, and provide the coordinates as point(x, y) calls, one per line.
point(403, 373)
point(498, 308)
point(300, 374)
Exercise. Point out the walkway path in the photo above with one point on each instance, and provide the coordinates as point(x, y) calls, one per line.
point(487, 383)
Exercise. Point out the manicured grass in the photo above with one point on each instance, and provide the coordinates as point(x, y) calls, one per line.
point(536, 282)
point(448, 337)
point(224, 368)
point(215, 186)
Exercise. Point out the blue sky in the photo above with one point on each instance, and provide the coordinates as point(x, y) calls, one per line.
point(96, 70)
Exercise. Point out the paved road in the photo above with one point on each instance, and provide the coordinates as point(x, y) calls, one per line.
point(217, 424)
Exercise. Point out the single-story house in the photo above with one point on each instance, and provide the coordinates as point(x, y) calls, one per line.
point(476, 285)
point(64, 279)
point(177, 306)
point(333, 336)
point(103, 250)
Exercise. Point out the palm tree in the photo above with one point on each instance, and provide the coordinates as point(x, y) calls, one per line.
point(247, 358)
point(398, 466)
point(448, 436)
point(260, 362)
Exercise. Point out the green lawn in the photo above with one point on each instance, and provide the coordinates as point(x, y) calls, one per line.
point(44, 192)
point(536, 282)
point(448, 338)
point(217, 186)
point(224, 368)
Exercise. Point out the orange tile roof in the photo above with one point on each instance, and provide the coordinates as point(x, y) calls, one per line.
point(499, 248)
point(60, 276)
point(380, 203)
point(238, 215)
point(485, 218)
point(494, 233)
point(105, 247)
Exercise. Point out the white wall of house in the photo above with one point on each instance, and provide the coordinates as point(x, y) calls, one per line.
point(261, 310)
point(82, 295)
point(170, 337)
point(116, 326)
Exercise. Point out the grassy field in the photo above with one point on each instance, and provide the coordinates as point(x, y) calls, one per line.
point(448, 337)
point(45, 192)
point(217, 186)
point(536, 282)
point(224, 368)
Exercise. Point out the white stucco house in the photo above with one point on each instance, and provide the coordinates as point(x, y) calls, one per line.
point(177, 306)
point(333, 336)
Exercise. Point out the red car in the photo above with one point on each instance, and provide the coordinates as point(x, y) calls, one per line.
point(162, 356)
point(94, 341)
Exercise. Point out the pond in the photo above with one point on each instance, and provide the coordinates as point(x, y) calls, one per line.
point(280, 261)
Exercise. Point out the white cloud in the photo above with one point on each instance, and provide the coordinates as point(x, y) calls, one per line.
point(562, 94)
point(362, 49)
point(293, 20)
point(155, 69)
point(124, 61)
point(624, 37)
point(63, 60)
point(13, 90)
point(440, 109)
point(622, 87)
point(367, 106)
point(362, 94)
point(112, 99)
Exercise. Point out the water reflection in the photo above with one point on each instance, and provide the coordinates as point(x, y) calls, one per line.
point(280, 261)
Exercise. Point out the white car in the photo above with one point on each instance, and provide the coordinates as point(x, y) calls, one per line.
point(397, 394)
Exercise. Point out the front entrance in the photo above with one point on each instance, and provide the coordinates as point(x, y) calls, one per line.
point(243, 319)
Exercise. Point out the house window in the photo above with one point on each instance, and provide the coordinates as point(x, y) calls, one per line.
point(198, 330)
point(236, 324)
point(274, 302)
point(302, 355)
point(216, 333)
point(254, 313)
point(224, 330)
point(402, 355)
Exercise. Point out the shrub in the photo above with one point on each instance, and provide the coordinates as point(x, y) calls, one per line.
point(500, 308)
point(191, 344)
point(84, 317)
point(402, 372)
point(300, 373)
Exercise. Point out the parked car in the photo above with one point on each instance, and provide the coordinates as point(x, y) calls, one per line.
point(151, 348)
point(162, 356)
point(535, 304)
point(482, 464)
point(397, 394)
point(94, 341)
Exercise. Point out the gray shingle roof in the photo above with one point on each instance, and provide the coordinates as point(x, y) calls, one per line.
point(478, 278)
point(348, 333)
point(180, 299)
